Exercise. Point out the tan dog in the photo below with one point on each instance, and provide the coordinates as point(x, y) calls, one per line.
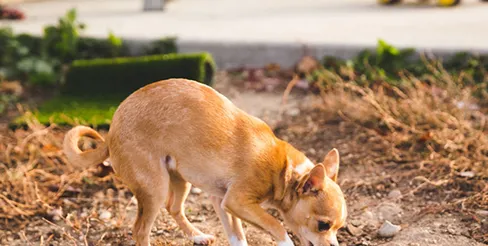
point(174, 133)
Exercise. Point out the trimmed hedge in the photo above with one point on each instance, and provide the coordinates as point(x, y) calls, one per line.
point(123, 76)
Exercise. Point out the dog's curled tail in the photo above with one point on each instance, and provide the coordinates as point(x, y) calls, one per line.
point(80, 158)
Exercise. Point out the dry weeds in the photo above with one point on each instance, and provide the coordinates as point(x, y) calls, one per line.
point(432, 128)
point(36, 180)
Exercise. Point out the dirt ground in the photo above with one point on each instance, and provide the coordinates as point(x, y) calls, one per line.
point(103, 214)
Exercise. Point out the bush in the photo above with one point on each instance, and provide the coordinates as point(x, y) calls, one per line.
point(390, 64)
point(162, 46)
point(33, 43)
point(125, 75)
point(91, 48)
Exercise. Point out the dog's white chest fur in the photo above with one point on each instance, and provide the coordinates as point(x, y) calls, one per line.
point(303, 167)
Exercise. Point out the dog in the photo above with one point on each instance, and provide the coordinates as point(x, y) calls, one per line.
point(175, 133)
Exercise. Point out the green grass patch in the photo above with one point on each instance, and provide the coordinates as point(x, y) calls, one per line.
point(68, 110)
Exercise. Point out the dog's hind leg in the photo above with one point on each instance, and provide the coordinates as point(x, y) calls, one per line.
point(179, 190)
point(148, 208)
point(150, 190)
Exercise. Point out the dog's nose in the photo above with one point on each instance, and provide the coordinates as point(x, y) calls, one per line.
point(334, 244)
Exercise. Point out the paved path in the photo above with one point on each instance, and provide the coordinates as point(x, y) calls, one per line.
point(257, 31)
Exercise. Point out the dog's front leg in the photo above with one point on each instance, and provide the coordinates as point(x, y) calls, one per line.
point(232, 225)
point(249, 210)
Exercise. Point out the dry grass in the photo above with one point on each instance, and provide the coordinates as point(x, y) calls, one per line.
point(433, 125)
point(36, 180)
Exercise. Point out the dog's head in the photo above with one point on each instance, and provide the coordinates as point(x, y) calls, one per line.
point(320, 208)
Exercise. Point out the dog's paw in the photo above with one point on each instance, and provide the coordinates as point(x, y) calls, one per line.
point(203, 239)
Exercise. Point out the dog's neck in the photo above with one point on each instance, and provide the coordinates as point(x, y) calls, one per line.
point(290, 197)
point(285, 193)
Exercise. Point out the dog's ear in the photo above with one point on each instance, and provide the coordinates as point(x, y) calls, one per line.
point(312, 182)
point(331, 164)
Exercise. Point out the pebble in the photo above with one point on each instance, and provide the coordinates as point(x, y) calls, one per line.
point(293, 112)
point(451, 230)
point(105, 215)
point(368, 215)
point(196, 191)
point(198, 219)
point(355, 222)
point(483, 213)
point(388, 229)
point(56, 213)
point(312, 151)
point(354, 231)
point(394, 194)
point(467, 174)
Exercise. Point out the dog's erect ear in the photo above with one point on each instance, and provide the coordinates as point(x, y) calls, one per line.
point(312, 182)
point(331, 164)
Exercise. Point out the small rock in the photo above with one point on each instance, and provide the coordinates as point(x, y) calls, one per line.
point(354, 231)
point(394, 194)
point(368, 215)
point(56, 214)
point(466, 233)
point(198, 219)
point(451, 230)
point(312, 151)
point(388, 229)
point(483, 213)
point(196, 191)
point(105, 215)
point(355, 222)
point(467, 174)
point(293, 112)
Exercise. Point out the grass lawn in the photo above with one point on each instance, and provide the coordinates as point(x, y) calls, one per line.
point(65, 110)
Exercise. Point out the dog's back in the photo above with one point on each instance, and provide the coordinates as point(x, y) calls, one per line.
point(199, 130)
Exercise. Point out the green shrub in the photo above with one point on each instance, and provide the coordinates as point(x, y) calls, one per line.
point(127, 74)
point(61, 40)
point(33, 43)
point(162, 46)
point(91, 48)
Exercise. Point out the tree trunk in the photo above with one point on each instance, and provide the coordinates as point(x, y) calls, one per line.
point(153, 5)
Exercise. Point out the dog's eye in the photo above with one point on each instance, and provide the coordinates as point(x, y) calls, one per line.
point(324, 226)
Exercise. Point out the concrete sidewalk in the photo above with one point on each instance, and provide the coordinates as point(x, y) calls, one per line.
point(255, 32)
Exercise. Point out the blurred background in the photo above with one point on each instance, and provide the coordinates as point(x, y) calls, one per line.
point(400, 88)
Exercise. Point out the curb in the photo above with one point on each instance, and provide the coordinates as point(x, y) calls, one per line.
point(253, 54)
